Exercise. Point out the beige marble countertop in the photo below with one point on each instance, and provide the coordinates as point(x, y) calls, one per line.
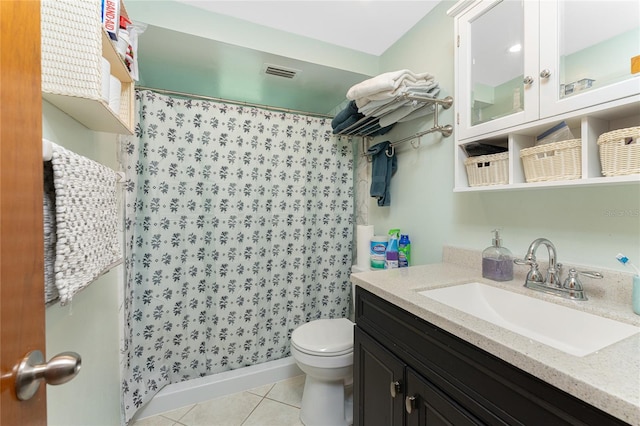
point(608, 379)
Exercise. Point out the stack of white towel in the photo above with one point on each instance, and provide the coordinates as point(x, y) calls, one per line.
point(379, 96)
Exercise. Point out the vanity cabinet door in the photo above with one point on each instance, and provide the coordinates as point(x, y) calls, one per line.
point(426, 405)
point(378, 384)
point(451, 380)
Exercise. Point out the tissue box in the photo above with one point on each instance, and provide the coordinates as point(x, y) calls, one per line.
point(111, 17)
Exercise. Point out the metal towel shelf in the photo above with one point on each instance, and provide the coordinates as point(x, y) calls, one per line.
point(369, 124)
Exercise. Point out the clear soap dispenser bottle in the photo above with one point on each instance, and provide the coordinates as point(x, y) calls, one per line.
point(497, 261)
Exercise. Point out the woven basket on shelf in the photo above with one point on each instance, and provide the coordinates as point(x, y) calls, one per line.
point(553, 161)
point(71, 47)
point(620, 152)
point(488, 169)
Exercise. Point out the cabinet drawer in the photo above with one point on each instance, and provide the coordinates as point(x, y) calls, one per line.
point(469, 374)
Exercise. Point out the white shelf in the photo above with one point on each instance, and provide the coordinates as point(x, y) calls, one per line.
point(71, 74)
point(589, 113)
point(597, 181)
point(94, 114)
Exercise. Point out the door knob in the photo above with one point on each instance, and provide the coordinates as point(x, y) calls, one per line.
point(33, 370)
point(396, 388)
point(410, 403)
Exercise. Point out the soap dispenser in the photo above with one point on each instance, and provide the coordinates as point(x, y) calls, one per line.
point(497, 261)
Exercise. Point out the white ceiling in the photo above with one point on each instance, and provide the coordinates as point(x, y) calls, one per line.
point(369, 26)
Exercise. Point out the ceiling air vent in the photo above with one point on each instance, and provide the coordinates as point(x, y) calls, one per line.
point(279, 71)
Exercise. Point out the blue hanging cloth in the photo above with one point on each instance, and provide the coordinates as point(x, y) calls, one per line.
point(382, 168)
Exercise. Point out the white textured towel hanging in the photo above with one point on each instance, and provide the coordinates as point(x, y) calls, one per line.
point(86, 219)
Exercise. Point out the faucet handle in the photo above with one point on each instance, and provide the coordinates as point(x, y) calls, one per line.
point(523, 261)
point(573, 283)
point(591, 274)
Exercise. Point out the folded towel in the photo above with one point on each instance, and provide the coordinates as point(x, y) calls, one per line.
point(346, 118)
point(395, 116)
point(417, 113)
point(420, 87)
point(407, 113)
point(88, 240)
point(396, 109)
point(383, 168)
point(378, 108)
point(49, 217)
point(389, 81)
point(389, 103)
point(350, 121)
point(373, 129)
point(348, 111)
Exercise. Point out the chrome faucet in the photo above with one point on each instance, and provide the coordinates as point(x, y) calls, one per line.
point(551, 283)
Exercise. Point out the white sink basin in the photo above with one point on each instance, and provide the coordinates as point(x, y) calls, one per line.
point(574, 332)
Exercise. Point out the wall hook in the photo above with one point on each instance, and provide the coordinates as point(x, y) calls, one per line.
point(390, 154)
point(415, 143)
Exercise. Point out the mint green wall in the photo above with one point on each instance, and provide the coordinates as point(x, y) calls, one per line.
point(181, 17)
point(588, 225)
point(503, 98)
point(90, 325)
point(612, 56)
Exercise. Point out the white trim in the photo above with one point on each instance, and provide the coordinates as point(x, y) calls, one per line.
point(182, 394)
point(459, 7)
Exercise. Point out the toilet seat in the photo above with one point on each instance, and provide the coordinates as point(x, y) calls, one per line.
point(324, 337)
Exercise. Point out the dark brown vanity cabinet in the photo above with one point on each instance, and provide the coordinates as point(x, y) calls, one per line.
point(410, 372)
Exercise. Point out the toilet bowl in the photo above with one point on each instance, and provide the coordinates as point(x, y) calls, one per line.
point(323, 349)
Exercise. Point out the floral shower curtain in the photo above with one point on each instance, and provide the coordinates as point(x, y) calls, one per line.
point(239, 228)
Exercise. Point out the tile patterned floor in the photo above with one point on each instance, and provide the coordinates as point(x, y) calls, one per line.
point(276, 404)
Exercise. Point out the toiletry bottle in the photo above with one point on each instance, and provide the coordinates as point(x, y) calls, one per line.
point(497, 261)
point(378, 248)
point(391, 254)
point(404, 251)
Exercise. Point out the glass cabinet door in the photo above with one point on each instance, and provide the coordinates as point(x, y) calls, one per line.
point(590, 53)
point(495, 52)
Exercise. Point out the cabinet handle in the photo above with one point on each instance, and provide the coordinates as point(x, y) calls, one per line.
point(395, 388)
point(410, 403)
point(545, 73)
point(528, 80)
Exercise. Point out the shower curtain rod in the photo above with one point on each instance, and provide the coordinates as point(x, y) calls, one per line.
point(248, 104)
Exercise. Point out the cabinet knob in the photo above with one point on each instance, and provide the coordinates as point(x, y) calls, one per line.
point(545, 73)
point(396, 388)
point(528, 80)
point(410, 403)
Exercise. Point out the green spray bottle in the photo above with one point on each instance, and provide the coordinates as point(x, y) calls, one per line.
point(404, 251)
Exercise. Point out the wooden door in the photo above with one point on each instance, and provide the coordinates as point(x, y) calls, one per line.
point(22, 321)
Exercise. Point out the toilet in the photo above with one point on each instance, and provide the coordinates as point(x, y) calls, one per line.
point(323, 349)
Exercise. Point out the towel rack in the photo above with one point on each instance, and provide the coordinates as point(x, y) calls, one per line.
point(369, 124)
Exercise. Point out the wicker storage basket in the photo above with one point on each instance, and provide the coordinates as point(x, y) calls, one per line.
point(488, 169)
point(554, 161)
point(71, 47)
point(620, 152)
